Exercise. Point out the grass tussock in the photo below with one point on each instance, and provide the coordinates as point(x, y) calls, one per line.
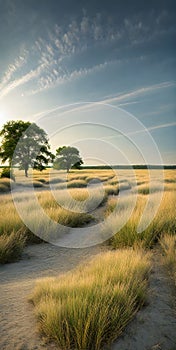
point(69, 218)
point(3, 188)
point(111, 190)
point(11, 247)
point(164, 221)
point(168, 245)
point(90, 306)
point(76, 184)
point(5, 185)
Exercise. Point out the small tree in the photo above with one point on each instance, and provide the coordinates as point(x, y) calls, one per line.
point(25, 144)
point(67, 157)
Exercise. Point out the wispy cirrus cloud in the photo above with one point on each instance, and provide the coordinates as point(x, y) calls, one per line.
point(123, 97)
point(33, 74)
point(51, 67)
point(138, 132)
point(141, 91)
point(8, 84)
point(59, 76)
point(14, 67)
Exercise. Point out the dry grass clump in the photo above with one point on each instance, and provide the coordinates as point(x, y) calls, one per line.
point(42, 180)
point(164, 220)
point(76, 183)
point(3, 188)
point(35, 184)
point(5, 185)
point(41, 217)
point(10, 220)
point(113, 181)
point(170, 186)
point(111, 190)
point(69, 218)
point(170, 180)
point(55, 180)
point(11, 247)
point(152, 188)
point(79, 194)
point(89, 307)
point(76, 176)
point(168, 244)
point(74, 199)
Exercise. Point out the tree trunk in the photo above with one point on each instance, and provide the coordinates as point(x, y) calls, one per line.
point(26, 172)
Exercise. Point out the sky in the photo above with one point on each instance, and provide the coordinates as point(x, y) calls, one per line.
point(99, 75)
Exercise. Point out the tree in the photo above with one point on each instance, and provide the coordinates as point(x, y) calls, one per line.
point(67, 157)
point(25, 144)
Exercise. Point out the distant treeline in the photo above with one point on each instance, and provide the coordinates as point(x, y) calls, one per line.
point(129, 167)
point(119, 166)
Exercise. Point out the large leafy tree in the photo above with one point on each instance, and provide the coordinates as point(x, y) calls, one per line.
point(67, 157)
point(25, 144)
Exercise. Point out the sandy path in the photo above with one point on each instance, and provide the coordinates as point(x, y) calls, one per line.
point(154, 327)
point(18, 329)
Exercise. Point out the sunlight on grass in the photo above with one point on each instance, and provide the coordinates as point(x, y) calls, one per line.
point(90, 306)
point(164, 221)
point(75, 207)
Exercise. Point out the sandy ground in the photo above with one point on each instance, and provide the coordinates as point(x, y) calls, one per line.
point(154, 327)
point(18, 330)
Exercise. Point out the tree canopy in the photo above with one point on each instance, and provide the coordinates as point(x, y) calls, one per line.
point(25, 144)
point(67, 157)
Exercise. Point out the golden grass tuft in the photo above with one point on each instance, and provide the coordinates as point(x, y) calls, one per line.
point(90, 306)
point(11, 247)
point(168, 245)
point(164, 220)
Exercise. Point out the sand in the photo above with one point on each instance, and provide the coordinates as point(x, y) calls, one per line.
point(153, 328)
point(18, 329)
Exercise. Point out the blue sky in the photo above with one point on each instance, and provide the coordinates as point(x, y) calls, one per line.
point(117, 53)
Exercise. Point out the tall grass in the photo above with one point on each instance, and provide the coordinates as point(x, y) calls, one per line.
point(75, 210)
point(164, 221)
point(90, 306)
point(5, 185)
point(11, 247)
point(168, 244)
point(9, 218)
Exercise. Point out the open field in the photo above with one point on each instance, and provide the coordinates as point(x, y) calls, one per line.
point(115, 283)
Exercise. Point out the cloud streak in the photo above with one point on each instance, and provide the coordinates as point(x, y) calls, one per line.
point(141, 91)
point(76, 37)
point(57, 77)
point(151, 128)
point(14, 67)
point(71, 108)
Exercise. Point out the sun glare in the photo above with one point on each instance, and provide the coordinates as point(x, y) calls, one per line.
point(3, 117)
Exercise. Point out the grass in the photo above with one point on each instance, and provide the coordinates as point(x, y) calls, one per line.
point(111, 190)
point(5, 185)
point(77, 213)
point(3, 188)
point(164, 221)
point(11, 247)
point(10, 220)
point(90, 306)
point(168, 245)
point(76, 183)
